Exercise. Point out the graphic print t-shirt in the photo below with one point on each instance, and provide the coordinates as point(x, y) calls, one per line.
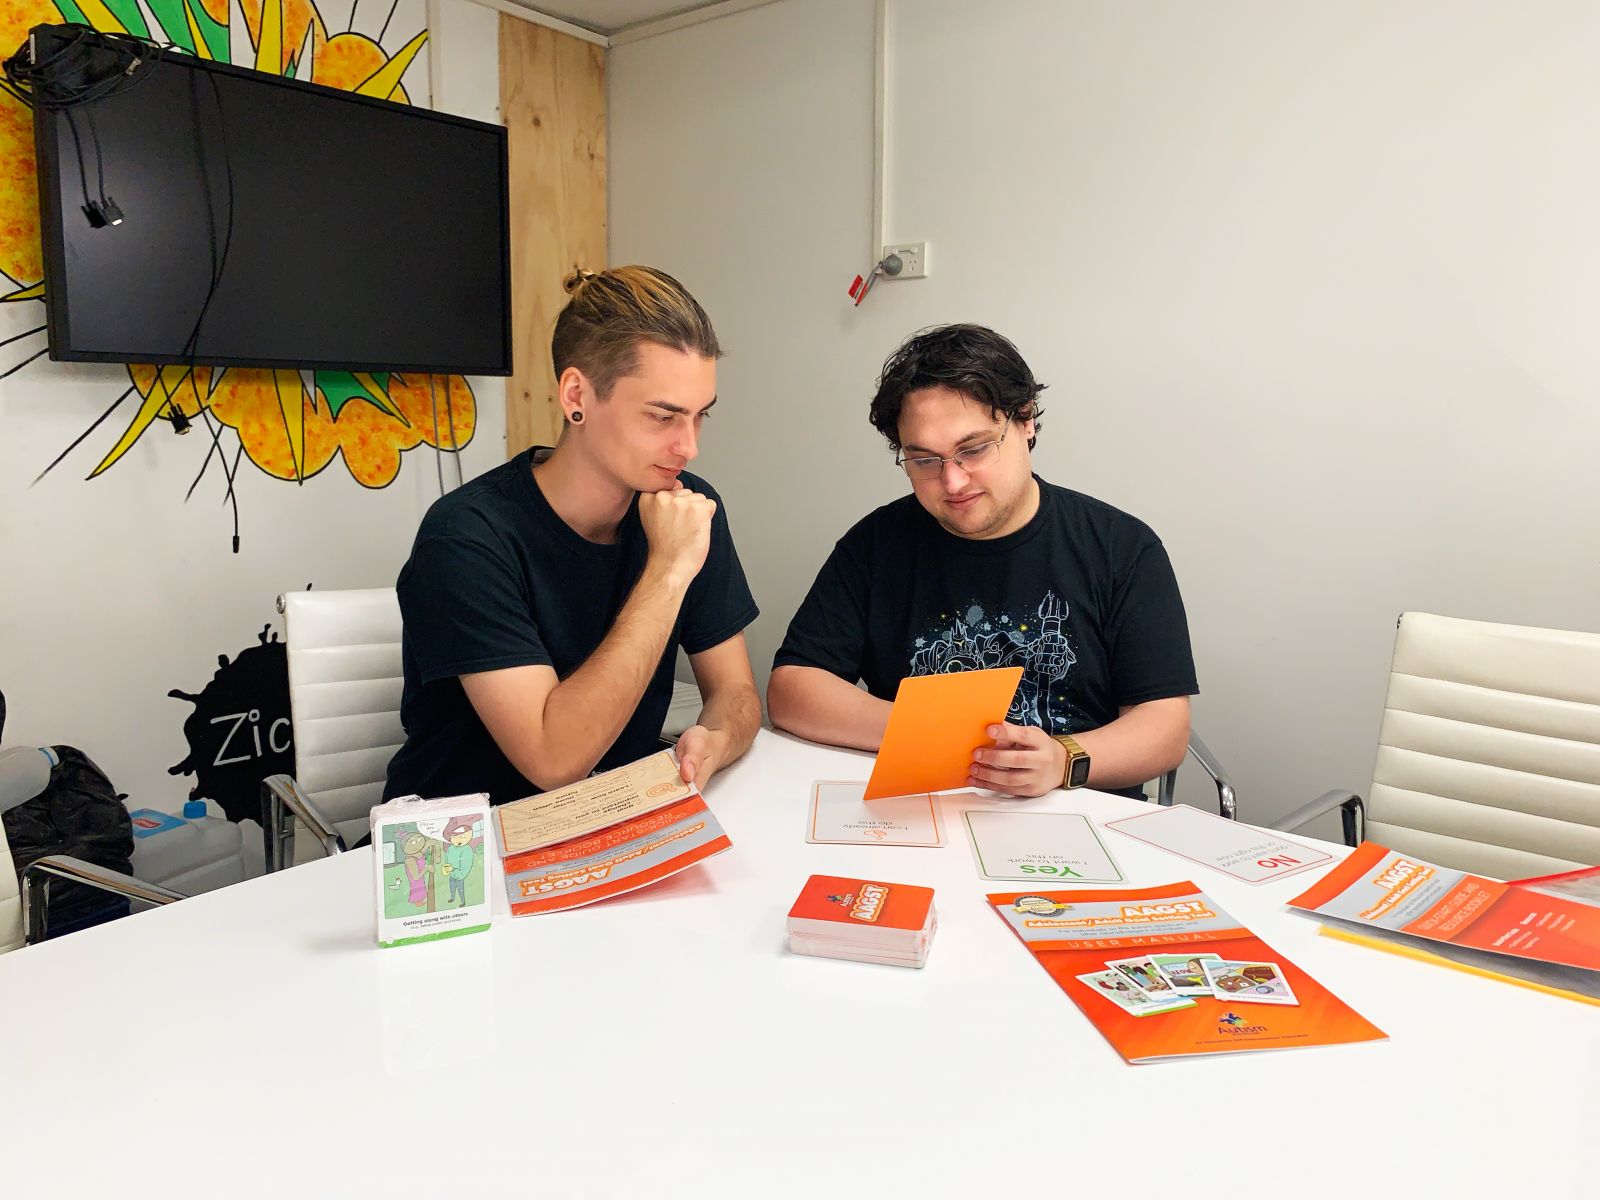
point(1082, 598)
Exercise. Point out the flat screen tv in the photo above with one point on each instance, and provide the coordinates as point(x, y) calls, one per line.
point(268, 222)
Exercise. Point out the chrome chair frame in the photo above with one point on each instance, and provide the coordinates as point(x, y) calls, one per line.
point(1227, 803)
point(36, 877)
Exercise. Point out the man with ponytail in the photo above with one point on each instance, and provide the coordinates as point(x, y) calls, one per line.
point(545, 601)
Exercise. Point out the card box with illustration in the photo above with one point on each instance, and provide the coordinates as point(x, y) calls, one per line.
point(431, 860)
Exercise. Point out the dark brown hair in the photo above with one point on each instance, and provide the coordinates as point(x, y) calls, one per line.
point(970, 359)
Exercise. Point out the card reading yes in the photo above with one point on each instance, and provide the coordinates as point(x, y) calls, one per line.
point(1036, 847)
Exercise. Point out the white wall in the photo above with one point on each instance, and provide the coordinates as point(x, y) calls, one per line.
point(1313, 286)
point(113, 591)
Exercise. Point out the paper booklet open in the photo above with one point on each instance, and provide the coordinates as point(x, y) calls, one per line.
point(603, 836)
point(1544, 931)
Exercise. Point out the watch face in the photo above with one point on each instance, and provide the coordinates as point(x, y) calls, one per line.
point(1079, 775)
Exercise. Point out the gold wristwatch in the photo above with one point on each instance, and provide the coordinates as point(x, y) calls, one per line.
point(1077, 772)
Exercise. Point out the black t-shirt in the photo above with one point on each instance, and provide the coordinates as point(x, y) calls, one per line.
point(1082, 598)
point(496, 579)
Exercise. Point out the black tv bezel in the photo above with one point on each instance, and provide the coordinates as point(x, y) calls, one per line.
point(53, 233)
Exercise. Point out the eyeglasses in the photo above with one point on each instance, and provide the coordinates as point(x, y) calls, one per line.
point(972, 458)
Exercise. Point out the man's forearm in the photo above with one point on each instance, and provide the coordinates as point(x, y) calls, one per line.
point(1144, 742)
point(587, 711)
point(735, 713)
point(820, 707)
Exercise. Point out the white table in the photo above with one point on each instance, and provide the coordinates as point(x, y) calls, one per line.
point(254, 1040)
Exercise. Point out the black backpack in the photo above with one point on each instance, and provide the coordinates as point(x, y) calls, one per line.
point(80, 814)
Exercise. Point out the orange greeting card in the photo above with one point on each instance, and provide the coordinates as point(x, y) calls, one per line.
point(936, 724)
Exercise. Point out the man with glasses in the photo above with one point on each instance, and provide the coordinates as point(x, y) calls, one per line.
point(987, 565)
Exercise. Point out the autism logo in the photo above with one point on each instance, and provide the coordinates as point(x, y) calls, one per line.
point(1233, 1023)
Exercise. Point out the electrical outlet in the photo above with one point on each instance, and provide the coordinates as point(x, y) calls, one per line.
point(913, 258)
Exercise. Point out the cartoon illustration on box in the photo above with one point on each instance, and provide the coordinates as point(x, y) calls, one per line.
point(432, 864)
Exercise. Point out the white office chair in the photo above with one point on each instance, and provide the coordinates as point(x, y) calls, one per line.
point(10, 899)
point(344, 704)
point(1489, 754)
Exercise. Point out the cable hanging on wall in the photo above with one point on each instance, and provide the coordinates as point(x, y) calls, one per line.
point(93, 65)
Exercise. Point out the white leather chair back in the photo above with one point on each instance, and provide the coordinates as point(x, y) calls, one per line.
point(344, 697)
point(10, 899)
point(1489, 754)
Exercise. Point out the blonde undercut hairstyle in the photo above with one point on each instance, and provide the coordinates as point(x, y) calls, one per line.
point(611, 312)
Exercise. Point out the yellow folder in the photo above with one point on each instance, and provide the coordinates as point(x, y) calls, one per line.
point(1439, 960)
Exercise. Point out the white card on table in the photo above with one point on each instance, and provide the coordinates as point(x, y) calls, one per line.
point(1132, 1000)
point(1186, 972)
point(839, 816)
point(1038, 847)
point(1146, 975)
point(1243, 851)
point(1249, 982)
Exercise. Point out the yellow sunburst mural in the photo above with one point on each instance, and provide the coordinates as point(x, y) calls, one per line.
point(290, 424)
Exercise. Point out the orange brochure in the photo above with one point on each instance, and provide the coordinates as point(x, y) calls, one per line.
point(1582, 884)
point(1404, 897)
point(935, 725)
point(1138, 962)
point(631, 854)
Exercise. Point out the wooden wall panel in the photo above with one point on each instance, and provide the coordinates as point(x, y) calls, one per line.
point(553, 102)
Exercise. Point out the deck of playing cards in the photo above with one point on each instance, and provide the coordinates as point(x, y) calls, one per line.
point(863, 920)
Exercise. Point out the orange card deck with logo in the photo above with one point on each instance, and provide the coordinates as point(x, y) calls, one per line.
point(863, 920)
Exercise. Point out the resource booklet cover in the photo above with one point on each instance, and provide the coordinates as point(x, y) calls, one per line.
point(1164, 972)
point(1543, 934)
point(632, 854)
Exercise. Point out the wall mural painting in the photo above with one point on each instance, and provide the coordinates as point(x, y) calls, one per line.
point(290, 424)
point(240, 730)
